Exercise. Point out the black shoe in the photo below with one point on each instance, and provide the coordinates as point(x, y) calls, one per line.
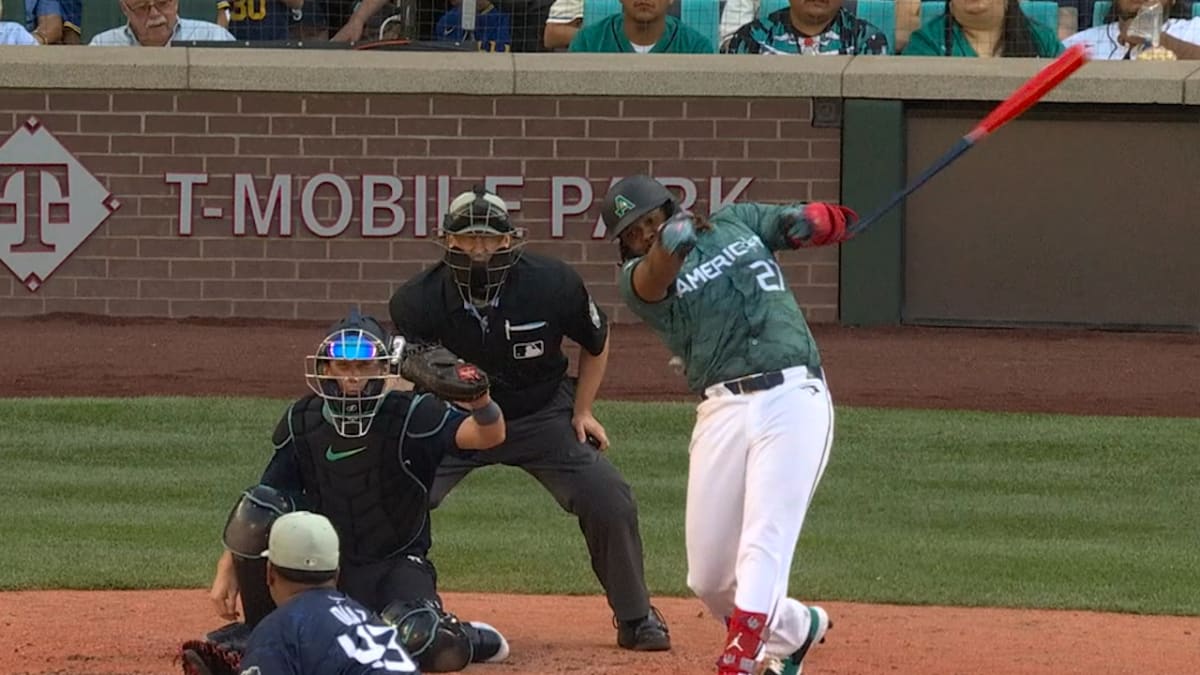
point(487, 644)
point(232, 636)
point(644, 635)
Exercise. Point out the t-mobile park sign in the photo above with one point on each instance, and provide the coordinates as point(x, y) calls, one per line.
point(387, 205)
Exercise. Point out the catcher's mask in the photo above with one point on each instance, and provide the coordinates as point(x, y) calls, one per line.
point(631, 199)
point(481, 245)
point(350, 371)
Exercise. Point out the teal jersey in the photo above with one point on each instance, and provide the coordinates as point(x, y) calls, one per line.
point(730, 312)
point(608, 36)
point(845, 34)
point(930, 40)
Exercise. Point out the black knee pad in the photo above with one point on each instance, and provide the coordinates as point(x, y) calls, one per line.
point(436, 640)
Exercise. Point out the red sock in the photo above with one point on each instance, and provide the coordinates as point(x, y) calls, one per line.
point(742, 643)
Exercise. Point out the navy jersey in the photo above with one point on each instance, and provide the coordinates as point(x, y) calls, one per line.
point(258, 19)
point(324, 632)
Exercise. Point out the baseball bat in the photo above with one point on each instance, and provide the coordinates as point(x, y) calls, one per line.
point(1018, 102)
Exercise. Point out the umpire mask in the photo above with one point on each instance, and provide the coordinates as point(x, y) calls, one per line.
point(350, 371)
point(481, 245)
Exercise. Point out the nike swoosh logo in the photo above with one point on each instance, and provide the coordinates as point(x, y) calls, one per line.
point(335, 456)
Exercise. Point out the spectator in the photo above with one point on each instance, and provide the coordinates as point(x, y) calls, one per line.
point(12, 33)
point(156, 23)
point(642, 27)
point(54, 22)
point(493, 28)
point(737, 13)
point(984, 29)
point(1108, 41)
point(352, 17)
point(809, 27)
point(261, 20)
point(565, 18)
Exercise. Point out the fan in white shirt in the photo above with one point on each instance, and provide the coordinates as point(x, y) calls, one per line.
point(1106, 42)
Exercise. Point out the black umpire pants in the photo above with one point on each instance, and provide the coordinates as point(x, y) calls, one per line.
point(583, 482)
point(375, 585)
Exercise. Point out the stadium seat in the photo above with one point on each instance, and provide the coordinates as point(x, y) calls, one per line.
point(14, 11)
point(204, 10)
point(1044, 12)
point(1099, 11)
point(704, 16)
point(880, 13)
point(595, 10)
point(99, 17)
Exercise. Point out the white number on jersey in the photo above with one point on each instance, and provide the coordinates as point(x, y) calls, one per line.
point(771, 278)
point(376, 646)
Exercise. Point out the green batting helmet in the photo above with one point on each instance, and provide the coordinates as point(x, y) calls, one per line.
point(631, 199)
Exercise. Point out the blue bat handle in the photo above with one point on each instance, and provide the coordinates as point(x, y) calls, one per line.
point(965, 143)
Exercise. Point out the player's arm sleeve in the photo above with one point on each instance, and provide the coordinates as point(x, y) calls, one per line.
point(768, 222)
point(283, 471)
point(434, 423)
point(582, 319)
point(659, 315)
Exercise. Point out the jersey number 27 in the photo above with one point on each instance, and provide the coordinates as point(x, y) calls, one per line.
point(771, 277)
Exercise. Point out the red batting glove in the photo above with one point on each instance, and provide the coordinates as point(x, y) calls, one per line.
point(826, 225)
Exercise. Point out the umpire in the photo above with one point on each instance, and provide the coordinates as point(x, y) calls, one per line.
point(507, 311)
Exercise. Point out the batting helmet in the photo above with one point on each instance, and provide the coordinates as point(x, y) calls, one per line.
point(631, 199)
point(356, 338)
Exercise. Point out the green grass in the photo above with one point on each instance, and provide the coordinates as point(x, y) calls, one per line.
point(916, 506)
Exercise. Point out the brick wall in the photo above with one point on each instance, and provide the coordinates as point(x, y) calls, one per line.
point(139, 144)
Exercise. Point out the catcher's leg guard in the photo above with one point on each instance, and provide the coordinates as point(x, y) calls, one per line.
point(252, 581)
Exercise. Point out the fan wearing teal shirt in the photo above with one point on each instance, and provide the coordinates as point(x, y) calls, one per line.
point(984, 28)
point(642, 27)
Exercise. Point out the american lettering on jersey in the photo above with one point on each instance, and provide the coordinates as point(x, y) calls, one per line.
point(690, 280)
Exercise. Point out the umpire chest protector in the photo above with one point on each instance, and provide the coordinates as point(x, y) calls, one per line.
point(374, 489)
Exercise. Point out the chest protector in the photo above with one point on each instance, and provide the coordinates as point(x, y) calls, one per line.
point(375, 496)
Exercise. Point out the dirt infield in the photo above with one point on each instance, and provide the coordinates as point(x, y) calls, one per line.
point(1017, 370)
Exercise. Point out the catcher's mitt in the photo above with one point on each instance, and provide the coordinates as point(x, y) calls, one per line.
point(437, 370)
point(201, 657)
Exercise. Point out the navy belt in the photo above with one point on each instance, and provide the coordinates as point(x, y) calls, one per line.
point(760, 382)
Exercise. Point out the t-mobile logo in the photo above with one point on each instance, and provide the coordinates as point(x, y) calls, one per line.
point(49, 204)
point(34, 197)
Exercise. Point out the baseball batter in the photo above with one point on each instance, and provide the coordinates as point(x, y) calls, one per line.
point(715, 294)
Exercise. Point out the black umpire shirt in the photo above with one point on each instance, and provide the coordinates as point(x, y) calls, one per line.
point(518, 341)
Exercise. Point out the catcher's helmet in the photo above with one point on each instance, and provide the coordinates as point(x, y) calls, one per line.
point(480, 274)
point(362, 340)
point(631, 199)
point(248, 527)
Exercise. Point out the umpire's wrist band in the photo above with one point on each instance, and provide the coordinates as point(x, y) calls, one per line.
point(488, 414)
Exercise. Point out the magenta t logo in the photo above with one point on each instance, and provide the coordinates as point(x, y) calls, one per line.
point(49, 204)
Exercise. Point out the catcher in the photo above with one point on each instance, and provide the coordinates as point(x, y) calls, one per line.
point(365, 456)
point(317, 629)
